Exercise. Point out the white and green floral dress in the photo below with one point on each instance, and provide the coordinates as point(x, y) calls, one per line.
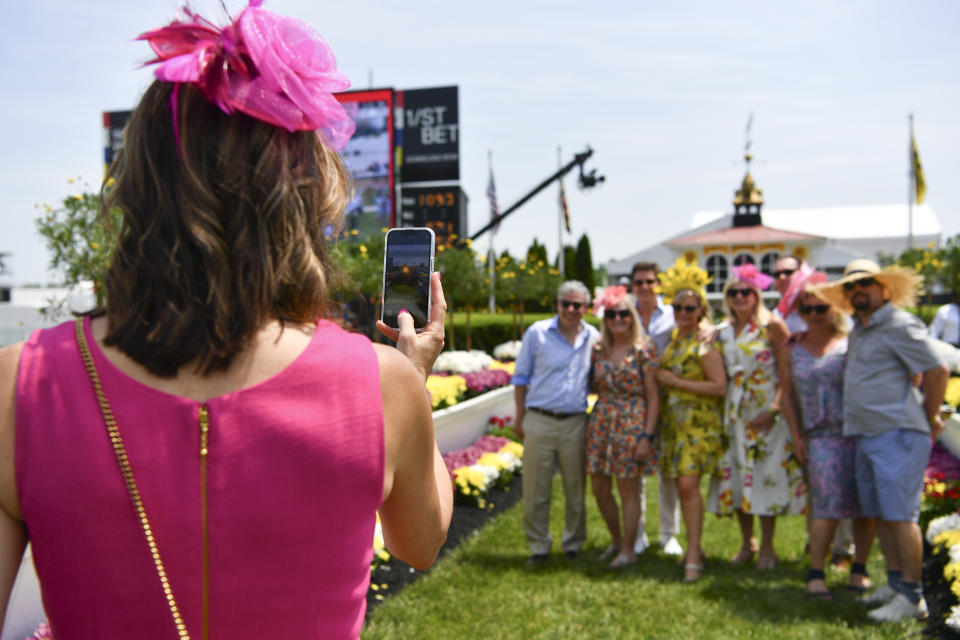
point(758, 472)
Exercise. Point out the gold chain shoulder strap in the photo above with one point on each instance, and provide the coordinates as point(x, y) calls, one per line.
point(128, 479)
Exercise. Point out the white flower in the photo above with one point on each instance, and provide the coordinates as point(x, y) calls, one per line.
point(941, 524)
point(507, 350)
point(462, 361)
point(510, 461)
point(953, 621)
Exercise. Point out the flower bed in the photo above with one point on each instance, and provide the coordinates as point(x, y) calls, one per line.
point(940, 521)
point(477, 469)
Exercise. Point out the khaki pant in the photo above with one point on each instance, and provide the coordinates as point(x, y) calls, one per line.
point(550, 444)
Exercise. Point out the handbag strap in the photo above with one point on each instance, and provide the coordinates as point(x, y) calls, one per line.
point(127, 472)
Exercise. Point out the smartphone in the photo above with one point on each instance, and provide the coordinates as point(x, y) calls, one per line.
point(407, 265)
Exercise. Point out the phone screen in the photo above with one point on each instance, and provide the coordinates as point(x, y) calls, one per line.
point(407, 265)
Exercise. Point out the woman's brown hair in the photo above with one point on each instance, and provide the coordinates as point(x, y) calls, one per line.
point(219, 235)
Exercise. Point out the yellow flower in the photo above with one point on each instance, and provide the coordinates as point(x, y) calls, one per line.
point(94, 245)
point(78, 197)
point(354, 232)
point(947, 539)
point(510, 367)
point(513, 447)
point(490, 459)
point(952, 396)
point(363, 249)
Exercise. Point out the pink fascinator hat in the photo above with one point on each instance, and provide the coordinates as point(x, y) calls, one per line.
point(804, 276)
point(609, 297)
point(273, 68)
point(748, 273)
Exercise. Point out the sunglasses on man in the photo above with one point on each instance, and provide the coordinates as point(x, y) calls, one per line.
point(862, 282)
point(645, 281)
point(610, 314)
point(819, 309)
point(784, 272)
point(566, 304)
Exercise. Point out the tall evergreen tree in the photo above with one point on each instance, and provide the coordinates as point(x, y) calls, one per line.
point(584, 263)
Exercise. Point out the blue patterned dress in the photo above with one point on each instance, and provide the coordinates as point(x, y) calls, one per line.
point(830, 460)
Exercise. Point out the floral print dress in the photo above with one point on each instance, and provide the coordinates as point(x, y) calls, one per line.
point(830, 456)
point(619, 415)
point(758, 473)
point(691, 428)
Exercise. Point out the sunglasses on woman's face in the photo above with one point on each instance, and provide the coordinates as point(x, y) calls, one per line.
point(566, 304)
point(743, 293)
point(819, 309)
point(685, 308)
point(862, 282)
point(610, 314)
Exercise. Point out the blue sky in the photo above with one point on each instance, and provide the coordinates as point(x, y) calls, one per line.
point(662, 94)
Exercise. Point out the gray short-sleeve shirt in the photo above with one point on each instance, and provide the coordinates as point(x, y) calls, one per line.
point(878, 394)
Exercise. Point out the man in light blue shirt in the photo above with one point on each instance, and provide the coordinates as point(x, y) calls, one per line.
point(657, 320)
point(550, 381)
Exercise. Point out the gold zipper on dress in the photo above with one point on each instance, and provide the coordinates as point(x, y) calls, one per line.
point(204, 420)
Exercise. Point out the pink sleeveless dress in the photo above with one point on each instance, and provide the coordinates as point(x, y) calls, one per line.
point(294, 474)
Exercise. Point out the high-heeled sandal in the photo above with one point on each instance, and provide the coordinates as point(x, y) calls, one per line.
point(609, 552)
point(622, 561)
point(745, 554)
point(820, 594)
point(859, 568)
point(767, 560)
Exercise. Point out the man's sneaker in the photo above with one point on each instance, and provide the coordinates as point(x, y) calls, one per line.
point(642, 544)
point(900, 608)
point(671, 547)
point(881, 596)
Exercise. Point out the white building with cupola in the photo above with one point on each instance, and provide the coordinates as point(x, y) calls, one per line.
point(826, 237)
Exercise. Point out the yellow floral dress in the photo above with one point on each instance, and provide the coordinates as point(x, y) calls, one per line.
point(758, 473)
point(691, 429)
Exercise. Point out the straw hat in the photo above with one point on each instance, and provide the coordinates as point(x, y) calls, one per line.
point(901, 285)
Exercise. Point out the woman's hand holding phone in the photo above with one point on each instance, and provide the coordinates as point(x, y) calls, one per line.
point(421, 348)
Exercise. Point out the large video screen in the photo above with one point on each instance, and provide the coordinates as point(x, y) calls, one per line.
point(369, 158)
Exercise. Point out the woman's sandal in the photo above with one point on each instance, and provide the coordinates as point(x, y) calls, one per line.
point(609, 552)
point(820, 594)
point(767, 560)
point(745, 554)
point(692, 572)
point(622, 561)
point(859, 568)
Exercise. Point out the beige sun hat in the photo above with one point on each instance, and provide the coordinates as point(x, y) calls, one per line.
point(901, 285)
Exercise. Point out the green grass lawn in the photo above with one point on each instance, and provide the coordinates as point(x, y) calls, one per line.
point(484, 589)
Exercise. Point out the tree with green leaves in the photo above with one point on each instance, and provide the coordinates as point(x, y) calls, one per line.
point(80, 244)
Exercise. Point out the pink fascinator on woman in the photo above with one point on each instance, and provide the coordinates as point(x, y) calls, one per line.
point(274, 68)
point(609, 297)
point(749, 274)
point(802, 277)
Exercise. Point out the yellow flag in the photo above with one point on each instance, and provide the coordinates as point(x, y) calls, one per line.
point(919, 182)
point(563, 208)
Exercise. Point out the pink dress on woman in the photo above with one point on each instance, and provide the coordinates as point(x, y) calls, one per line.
point(294, 477)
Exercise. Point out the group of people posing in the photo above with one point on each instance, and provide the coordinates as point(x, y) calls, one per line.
point(802, 409)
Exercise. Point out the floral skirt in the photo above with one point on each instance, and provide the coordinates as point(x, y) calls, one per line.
point(830, 469)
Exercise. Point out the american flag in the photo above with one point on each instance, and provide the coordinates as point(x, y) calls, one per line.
point(494, 205)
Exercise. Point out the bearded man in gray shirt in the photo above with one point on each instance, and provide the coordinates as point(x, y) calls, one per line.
point(894, 421)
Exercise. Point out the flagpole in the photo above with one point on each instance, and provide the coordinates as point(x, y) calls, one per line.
point(560, 254)
point(911, 187)
point(492, 255)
